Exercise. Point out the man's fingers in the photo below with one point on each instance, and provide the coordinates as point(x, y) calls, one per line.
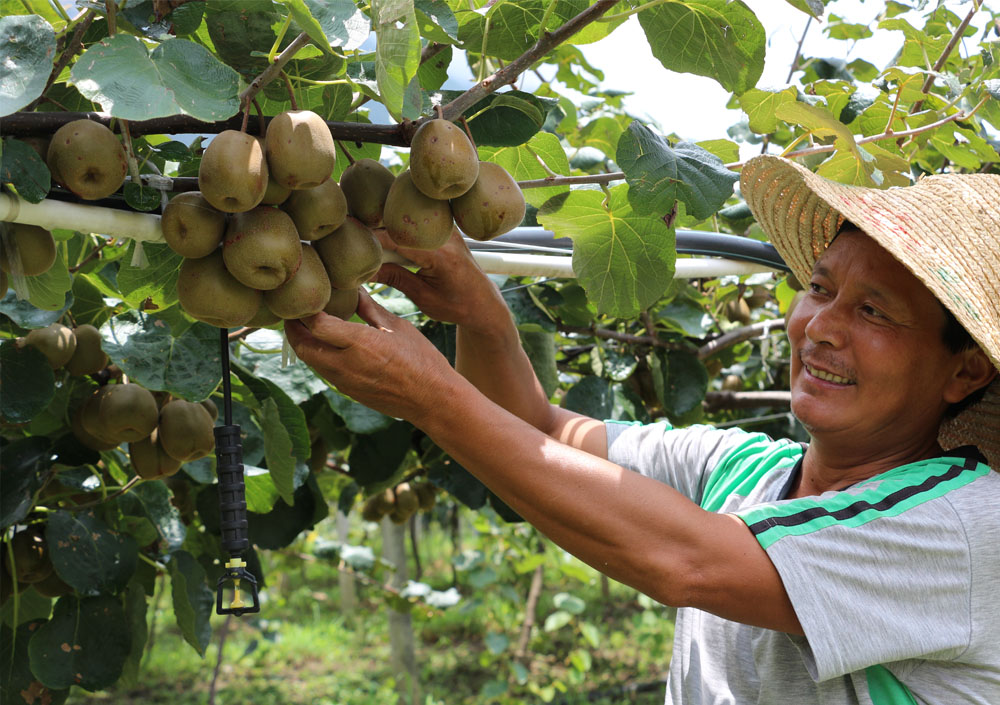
point(373, 313)
point(324, 328)
point(421, 258)
point(400, 278)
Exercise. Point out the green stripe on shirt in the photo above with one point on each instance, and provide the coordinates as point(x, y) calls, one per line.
point(885, 689)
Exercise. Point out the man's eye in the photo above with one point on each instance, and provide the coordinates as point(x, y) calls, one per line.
point(816, 288)
point(872, 311)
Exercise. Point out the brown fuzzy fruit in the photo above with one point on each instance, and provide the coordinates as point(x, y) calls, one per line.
point(406, 503)
point(351, 254)
point(55, 341)
point(88, 358)
point(27, 249)
point(306, 293)
point(207, 291)
point(366, 184)
point(264, 318)
point(317, 211)
point(233, 172)
point(262, 248)
point(85, 437)
point(493, 206)
point(443, 161)
point(149, 460)
point(377, 506)
point(88, 159)
point(413, 219)
point(31, 557)
point(737, 311)
point(300, 149)
point(192, 226)
point(343, 303)
point(185, 430)
point(127, 412)
point(732, 383)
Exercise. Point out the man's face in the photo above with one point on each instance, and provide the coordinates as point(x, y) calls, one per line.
point(868, 360)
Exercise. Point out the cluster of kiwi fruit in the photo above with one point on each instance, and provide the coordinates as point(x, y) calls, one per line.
point(401, 502)
point(162, 432)
point(30, 566)
point(270, 236)
point(77, 350)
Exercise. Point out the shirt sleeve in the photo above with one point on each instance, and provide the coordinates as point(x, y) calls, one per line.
point(682, 458)
point(869, 587)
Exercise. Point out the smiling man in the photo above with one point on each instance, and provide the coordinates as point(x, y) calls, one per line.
point(861, 568)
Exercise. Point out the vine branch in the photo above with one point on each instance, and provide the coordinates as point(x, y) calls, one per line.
point(939, 64)
point(739, 335)
point(272, 71)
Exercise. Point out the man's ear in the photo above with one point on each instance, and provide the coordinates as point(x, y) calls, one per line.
point(976, 371)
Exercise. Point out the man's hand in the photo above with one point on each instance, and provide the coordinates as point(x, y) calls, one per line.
point(387, 365)
point(449, 285)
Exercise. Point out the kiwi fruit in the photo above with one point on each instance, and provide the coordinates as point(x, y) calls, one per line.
point(264, 317)
point(365, 184)
point(426, 495)
point(207, 291)
point(55, 341)
point(149, 460)
point(191, 226)
point(306, 293)
point(351, 254)
point(343, 303)
point(275, 194)
point(737, 311)
point(377, 506)
point(413, 219)
point(87, 158)
point(443, 162)
point(27, 249)
point(233, 172)
point(185, 430)
point(261, 248)
point(300, 149)
point(127, 412)
point(732, 383)
point(318, 452)
point(52, 586)
point(211, 408)
point(493, 206)
point(87, 426)
point(31, 557)
point(406, 503)
point(759, 296)
point(317, 211)
point(88, 357)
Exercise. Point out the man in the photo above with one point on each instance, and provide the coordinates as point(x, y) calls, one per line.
point(860, 570)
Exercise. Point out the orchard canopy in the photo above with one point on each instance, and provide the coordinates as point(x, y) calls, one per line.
point(92, 513)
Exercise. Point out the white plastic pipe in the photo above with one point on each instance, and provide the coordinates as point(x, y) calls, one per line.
point(145, 227)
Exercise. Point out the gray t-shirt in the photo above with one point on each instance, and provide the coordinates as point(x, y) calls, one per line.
point(895, 580)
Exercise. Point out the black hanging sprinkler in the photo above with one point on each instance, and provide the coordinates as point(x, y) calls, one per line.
point(232, 505)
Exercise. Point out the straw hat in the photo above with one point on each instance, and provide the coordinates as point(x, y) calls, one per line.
point(944, 229)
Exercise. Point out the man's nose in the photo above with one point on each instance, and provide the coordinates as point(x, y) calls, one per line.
point(828, 323)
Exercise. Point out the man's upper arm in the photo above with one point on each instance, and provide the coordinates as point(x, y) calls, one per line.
point(583, 432)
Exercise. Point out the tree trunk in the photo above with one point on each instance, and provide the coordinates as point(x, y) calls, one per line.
point(404, 660)
point(348, 588)
point(530, 607)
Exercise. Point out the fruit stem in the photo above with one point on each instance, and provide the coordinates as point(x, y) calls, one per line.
point(260, 117)
point(350, 159)
point(468, 132)
point(291, 92)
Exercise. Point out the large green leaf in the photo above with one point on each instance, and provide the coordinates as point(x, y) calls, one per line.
point(27, 383)
point(337, 23)
point(135, 616)
point(22, 168)
point(51, 289)
point(658, 175)
point(539, 158)
point(625, 261)
point(375, 457)
point(88, 302)
point(193, 599)
point(397, 52)
point(238, 28)
point(188, 366)
point(27, 48)
point(298, 381)
point(278, 451)
point(157, 281)
point(88, 555)
point(357, 417)
point(85, 643)
point(27, 316)
point(680, 379)
point(591, 396)
point(514, 27)
point(760, 105)
point(179, 77)
point(23, 462)
point(280, 526)
point(504, 119)
point(19, 686)
point(721, 39)
point(154, 500)
point(289, 414)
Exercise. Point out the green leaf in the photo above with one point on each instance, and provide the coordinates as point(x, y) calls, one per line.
point(278, 451)
point(591, 396)
point(27, 383)
point(188, 366)
point(23, 462)
point(810, 7)
point(591, 633)
point(525, 162)
point(179, 77)
point(819, 122)
point(192, 598)
point(760, 105)
point(298, 381)
point(142, 198)
point(51, 289)
point(261, 494)
point(31, 606)
point(507, 119)
point(135, 617)
point(557, 620)
point(570, 603)
point(88, 302)
point(19, 686)
point(540, 347)
point(291, 416)
point(623, 260)
point(397, 52)
point(456, 480)
point(432, 74)
point(280, 526)
point(436, 15)
point(85, 643)
point(27, 48)
point(659, 175)
point(716, 38)
point(156, 281)
point(154, 498)
point(87, 555)
point(680, 380)
point(22, 168)
point(357, 417)
point(375, 457)
point(27, 316)
point(726, 150)
point(239, 27)
point(337, 23)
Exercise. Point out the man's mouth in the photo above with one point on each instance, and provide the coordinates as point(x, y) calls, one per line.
point(827, 376)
